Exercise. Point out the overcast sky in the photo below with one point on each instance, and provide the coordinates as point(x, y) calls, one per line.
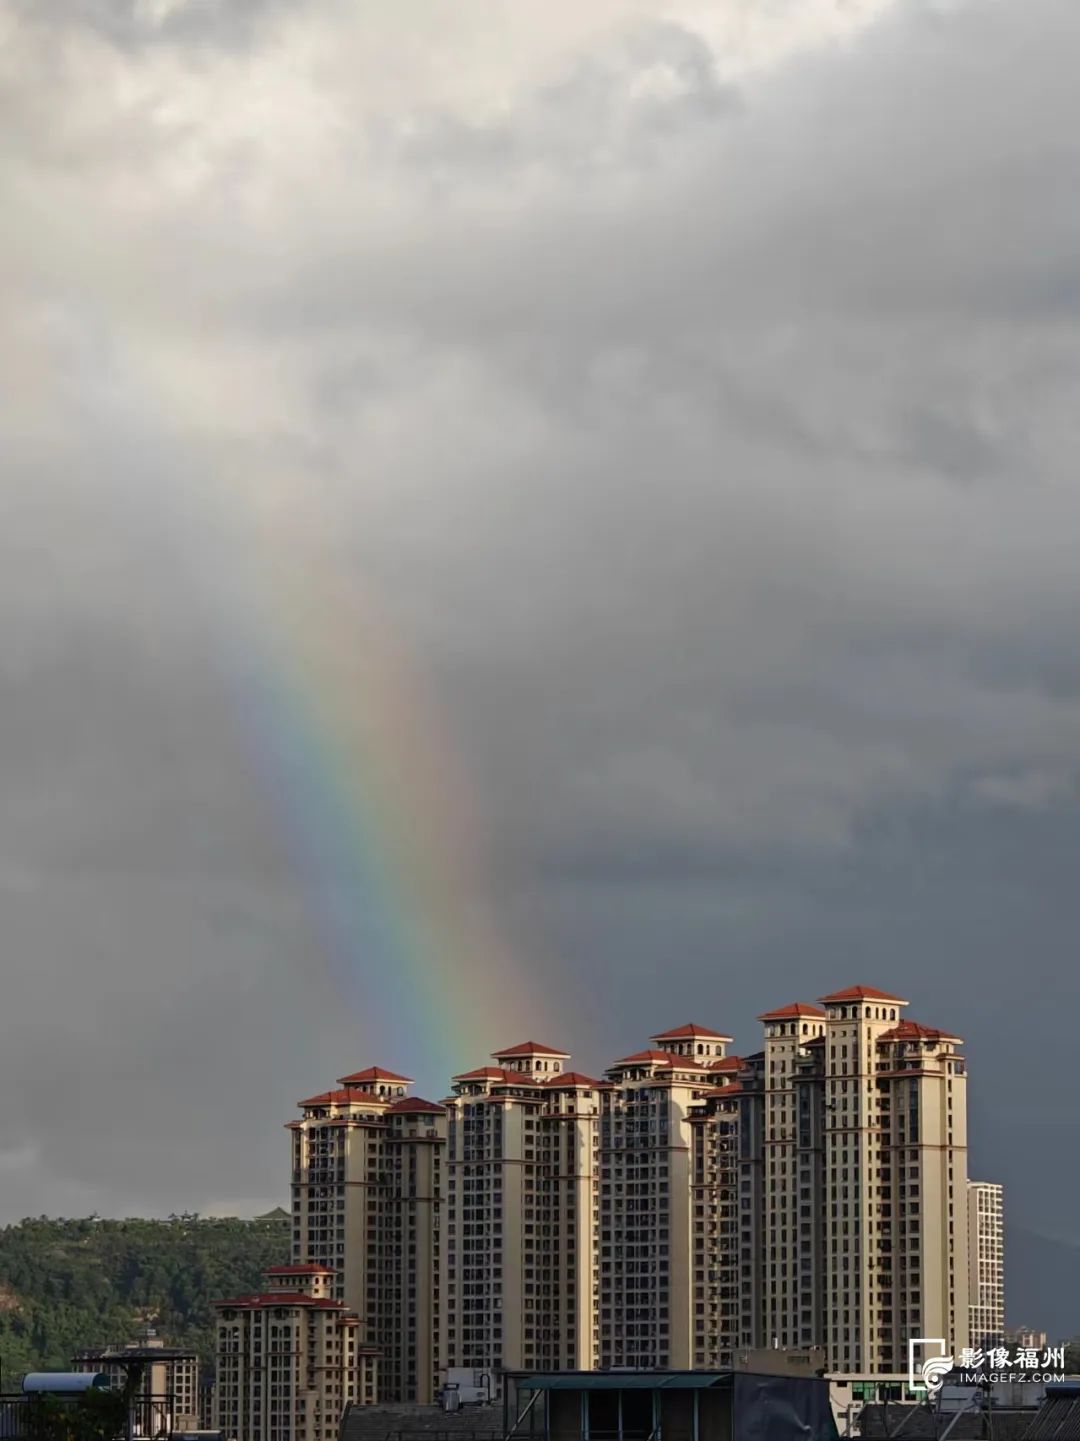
point(691, 392)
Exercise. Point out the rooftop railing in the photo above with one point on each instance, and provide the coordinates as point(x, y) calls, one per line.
point(42, 1418)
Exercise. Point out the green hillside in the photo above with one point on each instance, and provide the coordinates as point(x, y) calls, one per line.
point(69, 1284)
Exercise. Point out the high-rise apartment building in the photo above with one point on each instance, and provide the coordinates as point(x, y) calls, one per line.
point(522, 1214)
point(750, 1122)
point(986, 1263)
point(570, 1140)
point(919, 1236)
point(589, 1223)
point(688, 1205)
point(715, 1247)
point(367, 1183)
point(290, 1359)
point(863, 1179)
point(648, 1197)
point(791, 1159)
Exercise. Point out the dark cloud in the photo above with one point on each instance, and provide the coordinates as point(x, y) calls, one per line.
point(700, 422)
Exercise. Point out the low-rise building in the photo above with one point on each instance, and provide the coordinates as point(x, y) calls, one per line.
point(167, 1395)
point(678, 1405)
point(1025, 1338)
point(290, 1360)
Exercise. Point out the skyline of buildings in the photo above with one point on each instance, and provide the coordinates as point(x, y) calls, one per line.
point(685, 1205)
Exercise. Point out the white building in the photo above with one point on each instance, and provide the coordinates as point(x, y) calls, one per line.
point(986, 1263)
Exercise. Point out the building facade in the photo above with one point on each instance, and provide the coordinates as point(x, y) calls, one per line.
point(862, 1179)
point(986, 1263)
point(368, 1167)
point(792, 1163)
point(716, 1289)
point(812, 1195)
point(522, 1214)
point(290, 1359)
point(167, 1397)
point(652, 1136)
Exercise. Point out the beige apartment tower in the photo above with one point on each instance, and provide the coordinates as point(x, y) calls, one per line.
point(717, 1217)
point(812, 1195)
point(791, 1160)
point(986, 1263)
point(920, 1235)
point(649, 1251)
point(522, 1214)
point(863, 1182)
point(367, 1184)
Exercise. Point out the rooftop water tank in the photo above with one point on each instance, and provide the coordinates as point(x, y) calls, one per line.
point(57, 1383)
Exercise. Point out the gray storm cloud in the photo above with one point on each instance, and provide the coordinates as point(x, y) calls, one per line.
point(696, 393)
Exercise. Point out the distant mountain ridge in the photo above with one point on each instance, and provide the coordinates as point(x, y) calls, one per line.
point(68, 1284)
point(1042, 1283)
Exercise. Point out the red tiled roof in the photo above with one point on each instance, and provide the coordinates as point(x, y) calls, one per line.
point(373, 1073)
point(913, 1031)
point(728, 1063)
point(814, 1041)
point(408, 1104)
point(571, 1078)
point(303, 1270)
point(336, 1098)
point(862, 993)
point(662, 1058)
point(528, 1048)
point(720, 1092)
point(497, 1073)
point(281, 1298)
point(797, 1008)
point(690, 1032)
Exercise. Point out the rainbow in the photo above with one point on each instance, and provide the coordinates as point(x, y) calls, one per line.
point(369, 799)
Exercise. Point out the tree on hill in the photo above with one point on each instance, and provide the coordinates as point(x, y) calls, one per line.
point(69, 1284)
